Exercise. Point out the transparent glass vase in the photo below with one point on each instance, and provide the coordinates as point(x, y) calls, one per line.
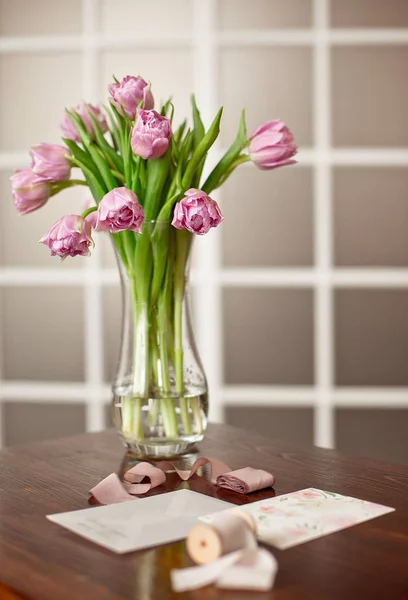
point(160, 396)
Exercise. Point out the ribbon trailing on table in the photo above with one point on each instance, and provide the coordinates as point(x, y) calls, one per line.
point(228, 556)
point(111, 490)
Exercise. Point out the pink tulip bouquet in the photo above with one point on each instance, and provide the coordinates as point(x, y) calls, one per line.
point(146, 180)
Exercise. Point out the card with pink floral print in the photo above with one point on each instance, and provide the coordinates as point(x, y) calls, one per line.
point(291, 519)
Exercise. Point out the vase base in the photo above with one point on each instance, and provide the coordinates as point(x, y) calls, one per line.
point(162, 448)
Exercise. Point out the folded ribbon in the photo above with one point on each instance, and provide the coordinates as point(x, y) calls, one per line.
point(228, 554)
point(253, 569)
point(246, 480)
point(111, 490)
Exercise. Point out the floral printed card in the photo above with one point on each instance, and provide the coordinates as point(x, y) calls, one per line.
point(292, 519)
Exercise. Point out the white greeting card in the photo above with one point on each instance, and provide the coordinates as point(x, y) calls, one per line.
point(298, 517)
point(140, 523)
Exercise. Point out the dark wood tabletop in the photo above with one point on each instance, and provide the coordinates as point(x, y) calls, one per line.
point(41, 561)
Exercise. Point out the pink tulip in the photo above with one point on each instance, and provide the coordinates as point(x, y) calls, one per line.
point(51, 162)
point(196, 212)
point(119, 210)
point(272, 145)
point(30, 191)
point(70, 131)
point(92, 219)
point(70, 236)
point(151, 134)
point(127, 95)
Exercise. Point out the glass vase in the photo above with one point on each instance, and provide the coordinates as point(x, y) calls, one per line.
point(160, 399)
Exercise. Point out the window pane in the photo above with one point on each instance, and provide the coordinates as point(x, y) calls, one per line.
point(19, 234)
point(40, 17)
point(32, 107)
point(25, 422)
point(159, 17)
point(370, 110)
point(43, 333)
point(371, 216)
point(293, 425)
point(371, 337)
point(378, 433)
point(268, 336)
point(264, 14)
point(269, 83)
point(268, 218)
point(369, 13)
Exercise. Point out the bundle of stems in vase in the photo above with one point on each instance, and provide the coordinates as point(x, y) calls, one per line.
point(149, 193)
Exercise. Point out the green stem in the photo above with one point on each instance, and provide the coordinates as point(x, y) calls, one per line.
point(118, 175)
point(137, 422)
point(89, 211)
point(183, 241)
point(59, 186)
point(167, 403)
point(154, 408)
point(195, 404)
point(141, 346)
point(72, 182)
point(141, 360)
point(127, 417)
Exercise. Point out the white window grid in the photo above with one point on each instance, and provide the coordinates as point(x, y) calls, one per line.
point(209, 276)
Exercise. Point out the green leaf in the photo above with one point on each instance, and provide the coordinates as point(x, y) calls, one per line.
point(110, 181)
point(171, 113)
point(161, 248)
point(242, 158)
point(167, 209)
point(139, 177)
point(82, 156)
point(175, 152)
point(98, 190)
point(198, 134)
point(110, 154)
point(157, 171)
point(124, 145)
point(176, 183)
point(199, 130)
point(178, 134)
point(214, 178)
point(184, 154)
point(113, 126)
point(165, 107)
point(201, 151)
point(92, 176)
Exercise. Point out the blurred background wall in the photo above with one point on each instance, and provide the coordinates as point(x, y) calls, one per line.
point(300, 299)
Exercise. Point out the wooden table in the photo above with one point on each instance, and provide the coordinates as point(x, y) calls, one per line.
point(42, 561)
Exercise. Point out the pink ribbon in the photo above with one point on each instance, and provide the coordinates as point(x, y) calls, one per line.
point(111, 490)
point(246, 480)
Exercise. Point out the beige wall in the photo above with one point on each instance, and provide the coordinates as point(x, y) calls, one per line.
point(268, 333)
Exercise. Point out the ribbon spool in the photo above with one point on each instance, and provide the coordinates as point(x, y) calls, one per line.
point(228, 532)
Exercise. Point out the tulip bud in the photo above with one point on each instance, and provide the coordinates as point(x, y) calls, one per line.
point(151, 134)
point(197, 213)
point(30, 191)
point(69, 236)
point(119, 210)
point(51, 162)
point(272, 145)
point(127, 95)
point(68, 128)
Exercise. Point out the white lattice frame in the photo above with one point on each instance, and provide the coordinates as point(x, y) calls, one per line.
point(210, 277)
